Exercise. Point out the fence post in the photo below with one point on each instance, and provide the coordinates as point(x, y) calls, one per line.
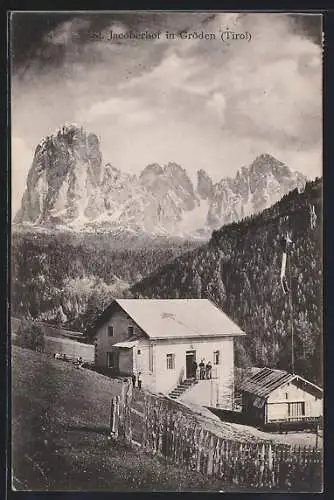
point(121, 425)
point(127, 412)
point(113, 416)
point(199, 450)
point(204, 453)
point(316, 435)
point(216, 457)
point(211, 455)
point(270, 466)
point(146, 422)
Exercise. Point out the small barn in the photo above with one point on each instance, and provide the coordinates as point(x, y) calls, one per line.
point(163, 340)
point(275, 396)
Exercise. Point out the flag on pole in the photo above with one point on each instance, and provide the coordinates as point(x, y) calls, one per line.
point(285, 243)
point(313, 217)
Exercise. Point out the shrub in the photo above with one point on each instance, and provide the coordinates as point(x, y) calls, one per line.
point(31, 336)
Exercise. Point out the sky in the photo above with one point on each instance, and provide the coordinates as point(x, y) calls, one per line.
point(205, 104)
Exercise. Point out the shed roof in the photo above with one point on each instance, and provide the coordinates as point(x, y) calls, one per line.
point(265, 381)
point(179, 318)
point(127, 345)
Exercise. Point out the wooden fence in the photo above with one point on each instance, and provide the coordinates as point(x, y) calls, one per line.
point(161, 427)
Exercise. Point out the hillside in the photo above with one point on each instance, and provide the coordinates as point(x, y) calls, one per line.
point(240, 270)
point(60, 424)
point(68, 278)
point(59, 434)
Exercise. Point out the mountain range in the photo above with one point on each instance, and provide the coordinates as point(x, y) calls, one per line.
point(70, 187)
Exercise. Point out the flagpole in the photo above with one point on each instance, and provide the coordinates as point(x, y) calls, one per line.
point(291, 316)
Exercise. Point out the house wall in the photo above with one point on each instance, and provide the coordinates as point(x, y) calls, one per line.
point(223, 374)
point(103, 343)
point(205, 393)
point(141, 363)
point(125, 361)
point(277, 402)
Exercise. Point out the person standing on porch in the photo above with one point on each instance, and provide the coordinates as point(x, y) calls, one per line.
point(208, 370)
point(202, 369)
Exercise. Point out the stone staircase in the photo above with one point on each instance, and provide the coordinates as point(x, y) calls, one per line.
point(182, 387)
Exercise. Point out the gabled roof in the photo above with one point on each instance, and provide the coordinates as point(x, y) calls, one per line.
point(178, 318)
point(265, 381)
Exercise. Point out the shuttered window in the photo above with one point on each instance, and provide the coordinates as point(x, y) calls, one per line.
point(216, 358)
point(296, 409)
point(170, 361)
point(130, 331)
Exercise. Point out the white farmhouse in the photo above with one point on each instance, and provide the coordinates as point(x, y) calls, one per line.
point(163, 340)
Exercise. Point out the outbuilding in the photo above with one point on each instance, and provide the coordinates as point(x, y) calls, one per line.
point(272, 396)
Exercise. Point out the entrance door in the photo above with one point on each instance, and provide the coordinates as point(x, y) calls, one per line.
point(190, 358)
point(112, 360)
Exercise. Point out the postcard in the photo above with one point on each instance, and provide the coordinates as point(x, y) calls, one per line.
point(166, 256)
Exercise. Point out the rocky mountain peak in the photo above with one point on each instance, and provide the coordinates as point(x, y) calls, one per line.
point(150, 173)
point(253, 189)
point(204, 185)
point(265, 163)
point(68, 185)
point(66, 167)
point(111, 174)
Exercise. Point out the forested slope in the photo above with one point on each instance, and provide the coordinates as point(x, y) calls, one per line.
point(240, 270)
point(68, 278)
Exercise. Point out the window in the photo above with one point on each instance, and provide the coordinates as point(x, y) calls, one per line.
point(296, 409)
point(286, 395)
point(111, 359)
point(130, 331)
point(170, 361)
point(216, 358)
point(139, 351)
point(110, 331)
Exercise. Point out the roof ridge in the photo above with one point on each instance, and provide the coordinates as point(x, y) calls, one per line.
point(175, 318)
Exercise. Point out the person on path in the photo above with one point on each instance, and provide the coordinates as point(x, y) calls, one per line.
point(133, 380)
point(202, 369)
point(139, 380)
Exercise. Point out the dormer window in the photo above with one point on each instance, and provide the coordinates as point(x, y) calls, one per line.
point(130, 331)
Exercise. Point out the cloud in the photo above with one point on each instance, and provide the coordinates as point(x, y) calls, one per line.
point(218, 104)
point(67, 32)
point(205, 104)
point(129, 111)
